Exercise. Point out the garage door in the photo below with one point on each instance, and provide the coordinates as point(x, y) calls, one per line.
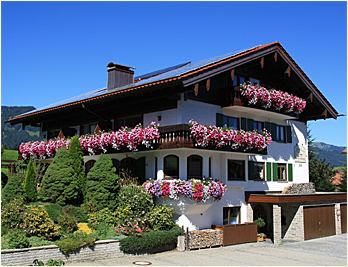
point(319, 221)
point(344, 218)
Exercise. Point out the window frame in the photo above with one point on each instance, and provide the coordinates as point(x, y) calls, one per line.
point(229, 214)
point(201, 167)
point(263, 171)
point(121, 121)
point(262, 123)
point(282, 166)
point(243, 170)
point(278, 133)
point(168, 177)
point(228, 121)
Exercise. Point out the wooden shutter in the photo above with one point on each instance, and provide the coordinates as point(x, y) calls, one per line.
point(269, 171)
point(219, 120)
point(288, 134)
point(250, 124)
point(251, 170)
point(275, 172)
point(116, 164)
point(290, 172)
point(243, 124)
point(141, 169)
point(274, 131)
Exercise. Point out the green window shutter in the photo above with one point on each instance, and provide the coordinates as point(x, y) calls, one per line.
point(275, 172)
point(251, 170)
point(269, 171)
point(268, 126)
point(288, 134)
point(219, 120)
point(116, 164)
point(141, 169)
point(290, 172)
point(274, 131)
point(243, 124)
point(250, 124)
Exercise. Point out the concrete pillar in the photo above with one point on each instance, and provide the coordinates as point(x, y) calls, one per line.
point(338, 218)
point(250, 213)
point(277, 224)
point(205, 166)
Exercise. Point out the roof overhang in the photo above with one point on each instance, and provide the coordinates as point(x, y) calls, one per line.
point(293, 198)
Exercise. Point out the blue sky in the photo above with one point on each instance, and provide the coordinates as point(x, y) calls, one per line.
point(51, 51)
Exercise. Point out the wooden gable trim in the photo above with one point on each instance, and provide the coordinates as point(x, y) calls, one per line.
point(294, 198)
point(262, 62)
point(208, 85)
point(232, 74)
point(196, 89)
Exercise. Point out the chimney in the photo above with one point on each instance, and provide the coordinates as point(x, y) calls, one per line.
point(119, 75)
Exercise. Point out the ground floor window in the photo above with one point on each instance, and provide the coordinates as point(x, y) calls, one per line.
point(256, 170)
point(194, 167)
point(231, 215)
point(236, 169)
point(171, 167)
point(281, 171)
point(89, 165)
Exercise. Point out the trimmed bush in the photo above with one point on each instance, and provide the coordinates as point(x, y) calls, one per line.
point(102, 183)
point(104, 232)
point(13, 189)
point(78, 214)
point(160, 218)
point(15, 239)
point(76, 155)
point(121, 214)
point(30, 183)
point(35, 241)
point(67, 223)
point(12, 213)
point(150, 240)
point(54, 210)
point(102, 216)
point(136, 198)
point(75, 241)
point(60, 180)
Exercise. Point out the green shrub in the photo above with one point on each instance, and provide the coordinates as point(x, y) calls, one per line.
point(133, 226)
point(30, 183)
point(123, 213)
point(136, 198)
point(79, 215)
point(104, 231)
point(37, 222)
point(102, 183)
point(74, 241)
point(13, 189)
point(160, 218)
point(16, 238)
point(76, 155)
point(12, 213)
point(54, 210)
point(60, 180)
point(102, 216)
point(67, 223)
point(35, 241)
point(49, 263)
point(89, 206)
point(150, 240)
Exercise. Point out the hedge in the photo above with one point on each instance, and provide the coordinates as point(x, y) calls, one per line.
point(150, 240)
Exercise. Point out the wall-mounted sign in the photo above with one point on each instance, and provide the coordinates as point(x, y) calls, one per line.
point(300, 153)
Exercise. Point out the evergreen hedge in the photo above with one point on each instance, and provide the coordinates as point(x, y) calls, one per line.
point(150, 240)
point(30, 182)
point(102, 183)
point(60, 180)
point(13, 189)
point(76, 155)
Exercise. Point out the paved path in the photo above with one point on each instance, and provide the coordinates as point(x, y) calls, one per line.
point(327, 251)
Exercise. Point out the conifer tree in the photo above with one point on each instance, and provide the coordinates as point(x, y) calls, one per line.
point(76, 155)
point(60, 180)
point(102, 183)
point(13, 189)
point(30, 183)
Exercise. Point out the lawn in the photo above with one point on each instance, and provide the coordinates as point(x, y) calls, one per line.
point(8, 155)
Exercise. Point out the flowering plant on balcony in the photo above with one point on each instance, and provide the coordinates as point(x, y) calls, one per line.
point(210, 134)
point(199, 190)
point(272, 98)
point(98, 142)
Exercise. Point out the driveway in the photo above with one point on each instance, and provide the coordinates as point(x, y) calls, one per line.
point(326, 251)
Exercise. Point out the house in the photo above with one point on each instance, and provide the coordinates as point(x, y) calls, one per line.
point(208, 92)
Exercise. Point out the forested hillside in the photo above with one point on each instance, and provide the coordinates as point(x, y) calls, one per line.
point(13, 136)
point(332, 154)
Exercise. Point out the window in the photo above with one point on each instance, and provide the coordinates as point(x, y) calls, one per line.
point(128, 121)
point(256, 170)
point(89, 165)
point(88, 128)
point(280, 133)
point(171, 167)
point(281, 171)
point(194, 167)
point(231, 122)
point(254, 81)
point(236, 170)
point(258, 125)
point(231, 215)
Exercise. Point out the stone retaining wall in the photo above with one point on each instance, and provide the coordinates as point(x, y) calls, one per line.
point(205, 238)
point(102, 249)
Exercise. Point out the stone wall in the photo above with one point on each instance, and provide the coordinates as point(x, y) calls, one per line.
point(102, 249)
point(205, 238)
point(301, 188)
point(292, 222)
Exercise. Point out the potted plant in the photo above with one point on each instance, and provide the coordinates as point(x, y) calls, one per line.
point(260, 223)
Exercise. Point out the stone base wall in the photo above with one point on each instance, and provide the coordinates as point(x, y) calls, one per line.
point(103, 249)
point(292, 222)
point(205, 238)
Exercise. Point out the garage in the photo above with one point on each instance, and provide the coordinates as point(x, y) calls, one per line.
point(344, 218)
point(319, 221)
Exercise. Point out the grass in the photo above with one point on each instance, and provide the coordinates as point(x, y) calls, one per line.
point(10, 155)
point(339, 169)
point(33, 133)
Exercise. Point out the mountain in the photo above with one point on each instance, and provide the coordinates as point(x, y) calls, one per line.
point(332, 154)
point(14, 135)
